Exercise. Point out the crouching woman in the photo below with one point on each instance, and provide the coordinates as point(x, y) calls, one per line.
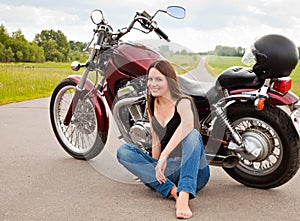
point(178, 166)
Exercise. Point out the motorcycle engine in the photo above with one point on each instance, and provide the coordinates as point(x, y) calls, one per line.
point(130, 112)
point(139, 134)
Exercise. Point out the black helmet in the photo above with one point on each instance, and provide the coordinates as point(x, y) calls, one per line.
point(275, 56)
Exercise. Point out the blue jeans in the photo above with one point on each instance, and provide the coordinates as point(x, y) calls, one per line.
point(190, 172)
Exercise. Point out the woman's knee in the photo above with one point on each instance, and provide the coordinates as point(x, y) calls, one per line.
point(124, 152)
point(193, 139)
point(193, 136)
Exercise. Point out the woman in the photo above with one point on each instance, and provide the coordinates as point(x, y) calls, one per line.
point(178, 166)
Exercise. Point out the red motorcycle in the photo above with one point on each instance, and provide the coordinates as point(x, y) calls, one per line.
point(250, 120)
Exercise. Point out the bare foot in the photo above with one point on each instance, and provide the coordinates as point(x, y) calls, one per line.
point(137, 179)
point(173, 192)
point(183, 210)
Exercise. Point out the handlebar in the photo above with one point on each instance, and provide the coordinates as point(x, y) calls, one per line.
point(100, 37)
point(145, 20)
point(162, 34)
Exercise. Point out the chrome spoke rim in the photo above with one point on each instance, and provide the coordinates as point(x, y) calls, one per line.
point(81, 134)
point(271, 162)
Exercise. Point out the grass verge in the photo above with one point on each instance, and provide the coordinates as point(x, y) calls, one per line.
point(183, 63)
point(19, 82)
point(25, 81)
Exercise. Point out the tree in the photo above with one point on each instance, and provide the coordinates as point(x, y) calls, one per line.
point(228, 51)
point(164, 49)
point(77, 46)
point(55, 45)
point(17, 48)
point(240, 51)
point(37, 53)
point(19, 35)
point(77, 53)
point(8, 55)
point(183, 52)
point(4, 36)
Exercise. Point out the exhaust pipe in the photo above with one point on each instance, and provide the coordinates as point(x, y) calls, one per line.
point(116, 114)
point(229, 161)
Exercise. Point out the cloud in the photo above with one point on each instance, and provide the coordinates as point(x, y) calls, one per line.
point(31, 20)
point(208, 22)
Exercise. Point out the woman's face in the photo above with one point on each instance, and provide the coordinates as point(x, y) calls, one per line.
point(157, 83)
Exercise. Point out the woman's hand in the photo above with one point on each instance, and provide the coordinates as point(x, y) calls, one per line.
point(160, 169)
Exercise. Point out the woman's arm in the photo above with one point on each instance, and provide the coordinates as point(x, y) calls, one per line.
point(156, 147)
point(184, 109)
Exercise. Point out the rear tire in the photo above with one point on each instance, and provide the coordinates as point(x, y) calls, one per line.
point(280, 161)
point(82, 138)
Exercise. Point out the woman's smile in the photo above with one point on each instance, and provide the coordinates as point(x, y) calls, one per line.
point(157, 83)
point(154, 89)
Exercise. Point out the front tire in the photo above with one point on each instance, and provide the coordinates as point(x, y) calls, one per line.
point(274, 132)
point(82, 138)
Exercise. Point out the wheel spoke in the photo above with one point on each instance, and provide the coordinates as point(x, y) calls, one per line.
point(81, 134)
point(273, 154)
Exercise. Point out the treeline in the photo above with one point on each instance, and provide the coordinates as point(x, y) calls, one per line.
point(219, 51)
point(229, 51)
point(49, 45)
point(232, 51)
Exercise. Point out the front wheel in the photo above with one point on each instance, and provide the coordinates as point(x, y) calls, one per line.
point(271, 134)
point(82, 138)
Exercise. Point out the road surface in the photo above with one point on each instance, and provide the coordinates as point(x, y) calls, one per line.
point(200, 73)
point(39, 181)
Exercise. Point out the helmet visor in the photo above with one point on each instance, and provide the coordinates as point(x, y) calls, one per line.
point(249, 58)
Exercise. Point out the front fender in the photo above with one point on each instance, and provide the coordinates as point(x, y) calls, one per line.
point(98, 101)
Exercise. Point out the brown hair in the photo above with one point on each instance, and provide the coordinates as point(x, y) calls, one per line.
point(167, 69)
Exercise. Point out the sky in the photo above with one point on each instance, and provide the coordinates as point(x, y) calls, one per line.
point(207, 23)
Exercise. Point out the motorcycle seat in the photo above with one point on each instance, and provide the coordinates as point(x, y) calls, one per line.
point(194, 88)
point(239, 77)
point(203, 93)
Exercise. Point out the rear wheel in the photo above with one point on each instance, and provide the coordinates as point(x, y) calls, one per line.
point(82, 138)
point(273, 142)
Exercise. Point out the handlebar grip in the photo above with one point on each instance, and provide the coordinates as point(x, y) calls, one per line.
point(162, 34)
point(100, 38)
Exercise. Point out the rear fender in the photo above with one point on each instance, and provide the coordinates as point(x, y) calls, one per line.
point(98, 101)
point(274, 98)
point(278, 99)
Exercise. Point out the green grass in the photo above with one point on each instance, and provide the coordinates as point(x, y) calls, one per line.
point(25, 81)
point(216, 64)
point(183, 63)
point(296, 80)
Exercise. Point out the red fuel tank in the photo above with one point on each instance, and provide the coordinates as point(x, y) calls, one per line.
point(134, 58)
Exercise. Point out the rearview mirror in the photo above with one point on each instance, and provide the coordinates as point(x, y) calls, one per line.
point(176, 11)
point(96, 16)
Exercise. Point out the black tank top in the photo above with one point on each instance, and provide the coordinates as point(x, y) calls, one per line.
point(165, 133)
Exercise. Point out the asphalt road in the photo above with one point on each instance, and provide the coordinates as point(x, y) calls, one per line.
point(200, 73)
point(39, 181)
